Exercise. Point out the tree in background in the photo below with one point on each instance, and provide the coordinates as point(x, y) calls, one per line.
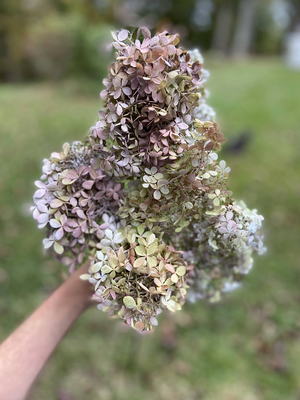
point(54, 39)
point(223, 27)
point(229, 27)
point(13, 22)
point(244, 29)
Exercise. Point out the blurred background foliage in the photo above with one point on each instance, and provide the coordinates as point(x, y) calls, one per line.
point(53, 55)
point(55, 39)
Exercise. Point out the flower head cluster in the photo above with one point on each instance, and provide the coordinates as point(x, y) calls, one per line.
point(138, 278)
point(77, 200)
point(144, 197)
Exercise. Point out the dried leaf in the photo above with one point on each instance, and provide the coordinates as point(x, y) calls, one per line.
point(139, 262)
point(56, 203)
point(157, 194)
point(152, 249)
point(139, 326)
point(123, 35)
point(129, 302)
point(58, 248)
point(140, 250)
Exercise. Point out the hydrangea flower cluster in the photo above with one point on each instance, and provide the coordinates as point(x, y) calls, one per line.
point(144, 196)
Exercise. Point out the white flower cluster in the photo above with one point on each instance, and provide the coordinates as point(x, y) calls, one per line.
point(203, 111)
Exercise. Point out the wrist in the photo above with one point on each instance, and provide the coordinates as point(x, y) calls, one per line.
point(79, 292)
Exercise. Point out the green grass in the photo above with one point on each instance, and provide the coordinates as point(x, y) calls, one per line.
point(244, 348)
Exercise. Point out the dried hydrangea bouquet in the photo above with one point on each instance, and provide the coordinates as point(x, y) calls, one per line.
point(144, 197)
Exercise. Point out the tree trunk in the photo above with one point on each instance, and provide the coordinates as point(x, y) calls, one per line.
point(223, 28)
point(295, 17)
point(244, 30)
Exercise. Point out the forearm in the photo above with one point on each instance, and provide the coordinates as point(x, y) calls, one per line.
point(25, 352)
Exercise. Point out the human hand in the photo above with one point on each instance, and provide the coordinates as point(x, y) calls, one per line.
point(25, 352)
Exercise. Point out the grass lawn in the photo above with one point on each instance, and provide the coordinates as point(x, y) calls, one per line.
point(245, 348)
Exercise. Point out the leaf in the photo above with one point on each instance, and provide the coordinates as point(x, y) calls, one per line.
point(88, 184)
point(183, 125)
point(129, 302)
point(157, 282)
point(121, 255)
point(209, 146)
point(139, 262)
point(181, 270)
point(123, 35)
point(81, 214)
point(151, 238)
point(158, 176)
point(140, 250)
point(170, 268)
point(59, 234)
point(153, 321)
point(146, 33)
point(205, 176)
point(56, 203)
point(47, 243)
point(152, 261)
point(106, 269)
point(177, 230)
point(151, 249)
point(119, 109)
point(66, 148)
point(58, 248)
point(73, 202)
point(168, 282)
point(188, 205)
point(213, 173)
point(212, 212)
point(113, 261)
point(229, 215)
point(139, 326)
point(118, 237)
point(171, 305)
point(143, 206)
point(39, 193)
point(70, 173)
point(174, 278)
point(100, 255)
point(39, 184)
point(108, 234)
point(222, 164)
point(172, 74)
point(144, 287)
point(54, 223)
point(157, 195)
point(114, 36)
point(140, 229)
point(96, 267)
point(85, 277)
point(142, 241)
point(216, 202)
point(171, 49)
point(214, 156)
point(164, 190)
point(127, 90)
point(42, 218)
